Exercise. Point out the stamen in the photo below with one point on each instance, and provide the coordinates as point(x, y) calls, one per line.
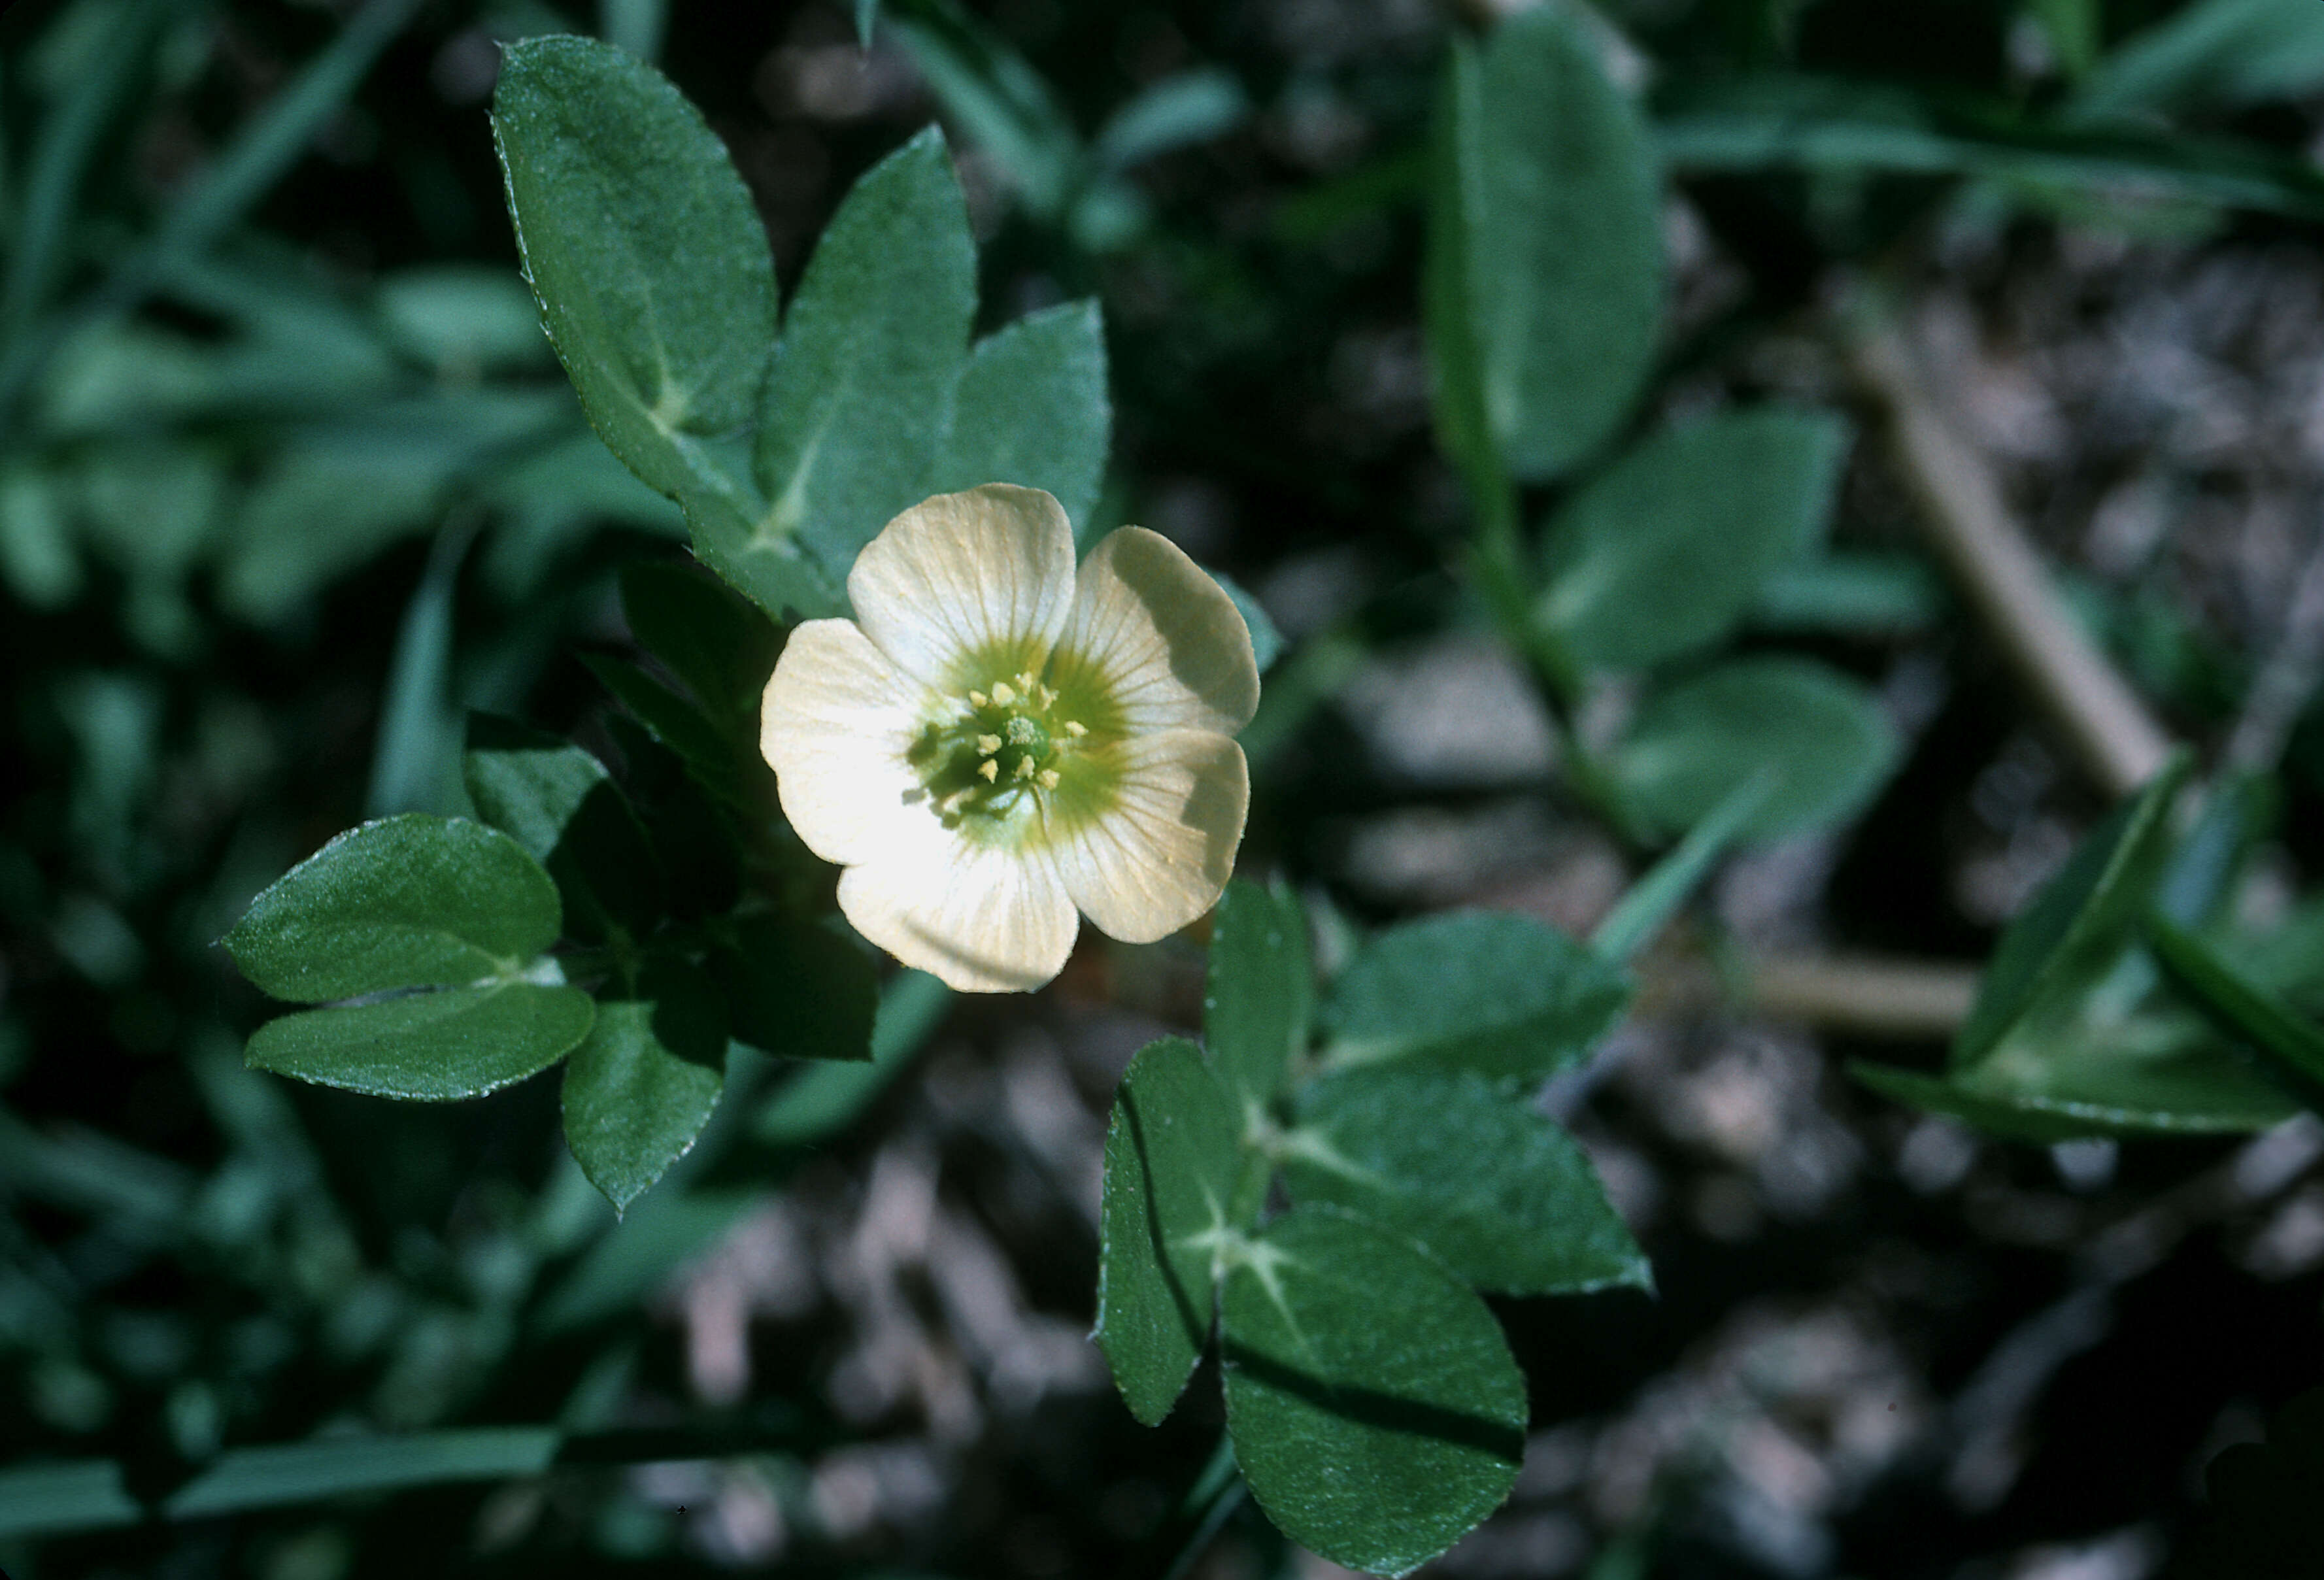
point(1049, 778)
point(986, 745)
point(1075, 729)
point(979, 700)
point(989, 771)
point(1003, 692)
point(1025, 683)
point(1024, 767)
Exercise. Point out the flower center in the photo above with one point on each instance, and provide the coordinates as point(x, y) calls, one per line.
point(1002, 746)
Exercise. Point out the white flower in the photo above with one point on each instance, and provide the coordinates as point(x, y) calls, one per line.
point(997, 739)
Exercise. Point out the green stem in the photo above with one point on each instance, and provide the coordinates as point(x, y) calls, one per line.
point(1218, 1492)
point(1499, 577)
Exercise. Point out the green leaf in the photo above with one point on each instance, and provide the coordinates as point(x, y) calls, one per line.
point(694, 834)
point(1651, 902)
point(1497, 1191)
point(429, 1047)
point(559, 803)
point(1856, 592)
point(2262, 1522)
point(2011, 1121)
point(339, 493)
point(410, 901)
point(37, 554)
point(40, 1499)
point(1662, 553)
point(463, 317)
point(797, 988)
point(1179, 111)
point(1788, 122)
point(2141, 1075)
point(2239, 1006)
point(1553, 256)
point(298, 1472)
point(631, 1260)
point(721, 646)
point(1450, 295)
point(712, 757)
point(860, 397)
point(1505, 996)
point(2080, 923)
point(416, 737)
point(1032, 409)
point(997, 98)
point(1818, 737)
point(1256, 1005)
point(641, 1087)
point(1172, 1158)
point(1266, 641)
point(644, 251)
point(821, 1101)
point(1376, 1411)
point(2073, 27)
point(2217, 54)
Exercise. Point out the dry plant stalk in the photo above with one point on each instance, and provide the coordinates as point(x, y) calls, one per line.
point(1988, 554)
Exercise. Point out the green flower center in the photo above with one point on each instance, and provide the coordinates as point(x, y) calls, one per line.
point(1004, 748)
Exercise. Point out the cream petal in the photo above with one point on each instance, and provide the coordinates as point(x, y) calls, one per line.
point(1167, 641)
point(834, 724)
point(1159, 858)
point(962, 573)
point(981, 918)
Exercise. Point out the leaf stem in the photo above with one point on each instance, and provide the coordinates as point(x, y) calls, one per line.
point(1218, 1492)
point(1495, 567)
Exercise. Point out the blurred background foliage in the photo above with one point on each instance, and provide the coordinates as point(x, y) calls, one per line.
point(289, 481)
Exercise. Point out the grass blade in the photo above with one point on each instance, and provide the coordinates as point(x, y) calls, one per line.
point(2242, 1007)
point(1652, 901)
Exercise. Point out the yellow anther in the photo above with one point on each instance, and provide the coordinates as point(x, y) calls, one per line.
point(1025, 683)
point(1049, 777)
point(987, 745)
point(979, 700)
point(1044, 697)
point(988, 771)
point(1024, 769)
point(1075, 729)
point(1003, 692)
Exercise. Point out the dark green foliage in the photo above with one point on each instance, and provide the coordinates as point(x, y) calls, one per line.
point(559, 803)
point(2263, 1523)
point(718, 645)
point(1374, 1451)
point(1173, 1153)
point(261, 331)
point(410, 901)
point(1258, 999)
point(641, 1088)
point(429, 1047)
point(1660, 554)
point(2059, 1042)
point(2079, 922)
point(797, 988)
point(1418, 1181)
point(649, 263)
point(861, 392)
point(1815, 741)
point(1502, 1194)
point(1503, 996)
point(1545, 251)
